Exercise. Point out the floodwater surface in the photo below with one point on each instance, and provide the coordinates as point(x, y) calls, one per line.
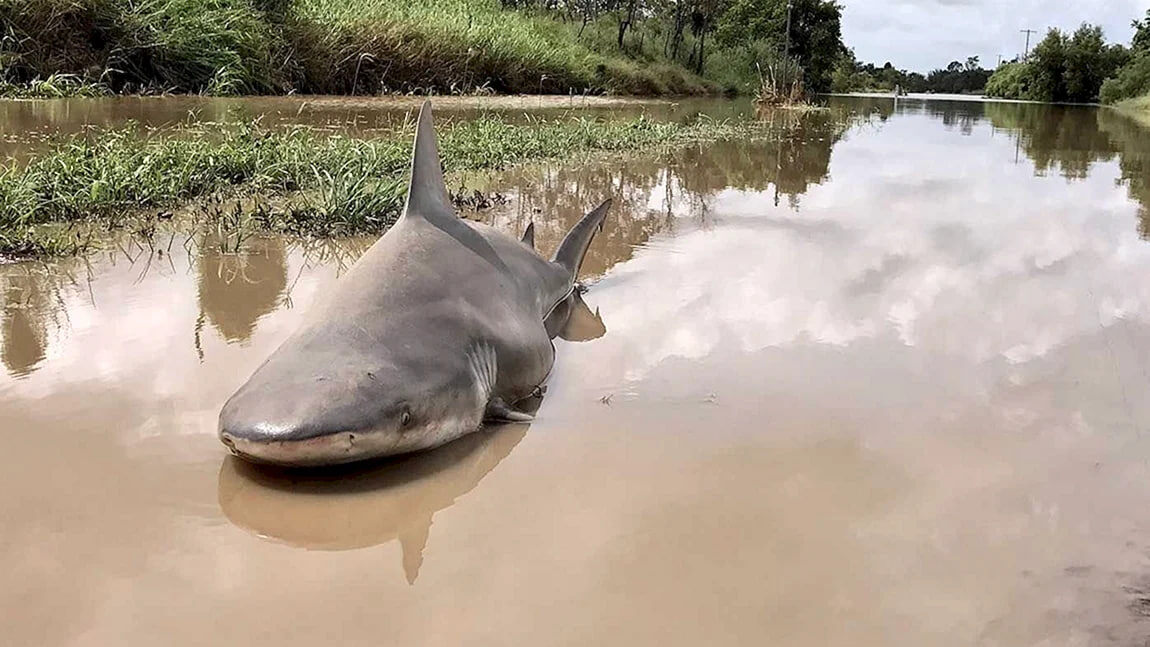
point(880, 379)
point(28, 126)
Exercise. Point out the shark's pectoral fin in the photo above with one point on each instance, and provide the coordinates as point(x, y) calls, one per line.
point(500, 411)
point(571, 251)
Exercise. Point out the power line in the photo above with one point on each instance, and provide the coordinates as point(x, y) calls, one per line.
point(1028, 32)
point(787, 48)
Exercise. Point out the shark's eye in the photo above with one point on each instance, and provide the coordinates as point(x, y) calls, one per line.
point(405, 418)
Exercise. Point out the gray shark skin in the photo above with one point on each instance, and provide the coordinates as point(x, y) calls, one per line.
point(441, 324)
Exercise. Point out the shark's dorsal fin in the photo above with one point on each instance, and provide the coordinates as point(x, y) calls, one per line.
point(427, 192)
point(574, 246)
point(529, 235)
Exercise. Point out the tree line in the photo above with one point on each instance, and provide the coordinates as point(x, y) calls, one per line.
point(723, 40)
point(1078, 67)
point(731, 42)
point(956, 78)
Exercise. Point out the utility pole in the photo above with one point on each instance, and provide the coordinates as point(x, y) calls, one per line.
point(999, 61)
point(787, 47)
point(1028, 32)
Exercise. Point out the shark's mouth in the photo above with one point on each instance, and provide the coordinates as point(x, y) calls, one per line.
point(335, 448)
point(328, 449)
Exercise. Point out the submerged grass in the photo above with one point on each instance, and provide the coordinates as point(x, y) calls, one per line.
point(307, 184)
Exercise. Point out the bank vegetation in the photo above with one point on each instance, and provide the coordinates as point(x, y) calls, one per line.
point(637, 47)
point(293, 180)
point(1079, 67)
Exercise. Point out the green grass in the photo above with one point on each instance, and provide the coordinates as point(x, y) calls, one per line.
point(300, 182)
point(1138, 109)
point(319, 46)
point(56, 86)
point(461, 45)
point(217, 46)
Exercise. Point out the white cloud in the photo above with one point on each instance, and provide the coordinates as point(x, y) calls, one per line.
point(927, 34)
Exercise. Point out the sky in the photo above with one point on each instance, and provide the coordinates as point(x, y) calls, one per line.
point(923, 35)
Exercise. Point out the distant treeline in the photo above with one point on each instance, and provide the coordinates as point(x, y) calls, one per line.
point(956, 78)
point(1076, 67)
point(724, 41)
point(1079, 67)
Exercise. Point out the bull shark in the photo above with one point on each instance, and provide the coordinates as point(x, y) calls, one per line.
point(443, 323)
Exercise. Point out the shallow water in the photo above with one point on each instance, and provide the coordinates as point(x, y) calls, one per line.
point(880, 380)
point(27, 126)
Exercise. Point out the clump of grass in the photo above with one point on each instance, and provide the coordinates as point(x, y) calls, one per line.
point(216, 46)
point(780, 82)
point(56, 86)
point(327, 185)
point(339, 204)
point(219, 47)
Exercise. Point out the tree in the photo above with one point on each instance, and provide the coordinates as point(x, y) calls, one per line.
point(1073, 67)
point(1010, 81)
point(679, 12)
point(1141, 43)
point(958, 78)
point(1133, 78)
point(1089, 61)
point(1048, 62)
point(816, 40)
point(626, 11)
point(704, 16)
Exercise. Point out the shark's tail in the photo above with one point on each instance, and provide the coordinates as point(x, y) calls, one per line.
point(571, 251)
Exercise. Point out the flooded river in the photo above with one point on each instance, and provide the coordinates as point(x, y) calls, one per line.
point(882, 379)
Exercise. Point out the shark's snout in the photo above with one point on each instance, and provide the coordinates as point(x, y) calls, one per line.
point(314, 440)
point(288, 419)
point(304, 422)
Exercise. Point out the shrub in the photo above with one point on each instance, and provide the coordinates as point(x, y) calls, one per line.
point(1011, 81)
point(1133, 80)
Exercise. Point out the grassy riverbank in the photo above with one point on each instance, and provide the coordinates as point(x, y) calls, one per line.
point(1138, 109)
point(313, 46)
point(294, 181)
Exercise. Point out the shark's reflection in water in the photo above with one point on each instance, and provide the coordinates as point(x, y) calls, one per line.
point(348, 508)
point(572, 320)
point(357, 506)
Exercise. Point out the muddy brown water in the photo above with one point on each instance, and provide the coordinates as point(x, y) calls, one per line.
point(28, 126)
point(879, 380)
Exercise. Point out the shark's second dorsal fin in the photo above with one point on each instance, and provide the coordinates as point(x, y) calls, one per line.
point(427, 192)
